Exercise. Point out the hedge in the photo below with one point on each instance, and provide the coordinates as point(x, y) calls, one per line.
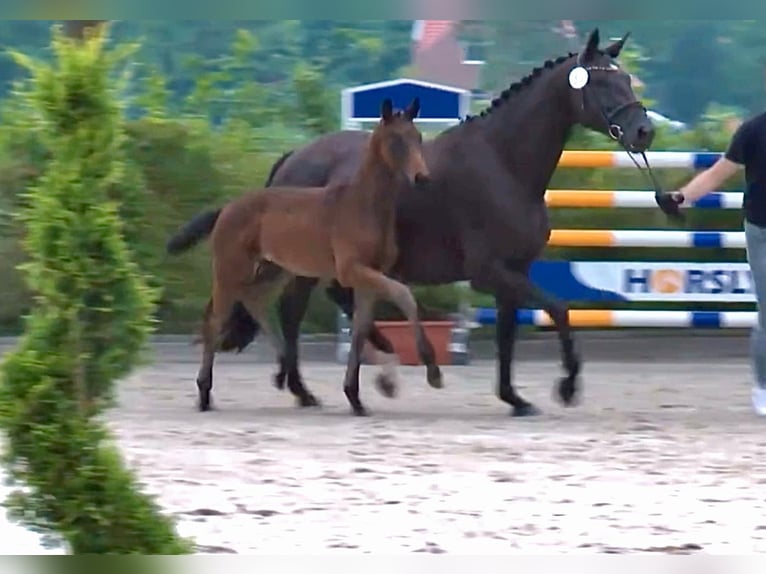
point(187, 166)
point(91, 313)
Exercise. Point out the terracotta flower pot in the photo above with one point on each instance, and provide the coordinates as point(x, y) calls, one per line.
point(402, 338)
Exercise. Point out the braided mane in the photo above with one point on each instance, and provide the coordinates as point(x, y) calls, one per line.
point(516, 87)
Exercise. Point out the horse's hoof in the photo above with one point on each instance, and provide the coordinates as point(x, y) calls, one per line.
point(568, 392)
point(525, 410)
point(308, 401)
point(205, 406)
point(434, 376)
point(386, 385)
point(279, 380)
point(360, 411)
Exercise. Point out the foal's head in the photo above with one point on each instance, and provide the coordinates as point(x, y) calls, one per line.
point(399, 144)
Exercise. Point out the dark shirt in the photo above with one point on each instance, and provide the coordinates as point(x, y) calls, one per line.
point(748, 148)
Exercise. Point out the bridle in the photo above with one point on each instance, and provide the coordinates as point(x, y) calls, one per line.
point(614, 129)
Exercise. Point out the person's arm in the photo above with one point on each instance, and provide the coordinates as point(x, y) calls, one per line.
point(708, 180)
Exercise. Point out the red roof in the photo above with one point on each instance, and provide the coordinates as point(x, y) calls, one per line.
point(432, 31)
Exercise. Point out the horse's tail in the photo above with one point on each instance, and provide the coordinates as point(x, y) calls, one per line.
point(276, 166)
point(193, 232)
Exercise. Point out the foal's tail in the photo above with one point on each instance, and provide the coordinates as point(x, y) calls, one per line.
point(193, 232)
point(202, 225)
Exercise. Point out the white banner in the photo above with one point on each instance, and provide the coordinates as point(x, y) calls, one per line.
point(668, 281)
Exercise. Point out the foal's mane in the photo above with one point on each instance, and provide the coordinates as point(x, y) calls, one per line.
point(518, 86)
point(335, 192)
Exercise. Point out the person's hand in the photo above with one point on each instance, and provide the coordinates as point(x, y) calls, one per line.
point(670, 203)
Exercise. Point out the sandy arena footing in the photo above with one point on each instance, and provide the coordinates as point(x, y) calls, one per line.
point(660, 456)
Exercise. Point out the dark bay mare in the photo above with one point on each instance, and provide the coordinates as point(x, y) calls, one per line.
point(483, 218)
point(344, 231)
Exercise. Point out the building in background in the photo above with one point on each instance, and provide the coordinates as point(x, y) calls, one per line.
point(441, 53)
point(438, 55)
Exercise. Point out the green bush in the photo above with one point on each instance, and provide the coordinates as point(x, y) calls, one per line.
point(91, 316)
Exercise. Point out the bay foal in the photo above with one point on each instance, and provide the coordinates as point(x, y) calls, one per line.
point(344, 232)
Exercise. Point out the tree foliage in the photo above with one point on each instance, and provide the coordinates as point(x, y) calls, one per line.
point(732, 54)
point(92, 313)
point(194, 153)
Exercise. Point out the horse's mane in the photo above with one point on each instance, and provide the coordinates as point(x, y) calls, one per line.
point(516, 87)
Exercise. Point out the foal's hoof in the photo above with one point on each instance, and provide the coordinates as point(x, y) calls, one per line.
point(386, 385)
point(308, 401)
point(568, 391)
point(434, 376)
point(525, 410)
point(204, 405)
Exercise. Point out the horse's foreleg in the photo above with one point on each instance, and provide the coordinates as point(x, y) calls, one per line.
point(291, 309)
point(505, 339)
point(568, 389)
point(511, 289)
point(387, 381)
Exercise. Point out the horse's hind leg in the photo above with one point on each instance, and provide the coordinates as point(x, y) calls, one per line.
point(255, 298)
point(291, 308)
point(265, 272)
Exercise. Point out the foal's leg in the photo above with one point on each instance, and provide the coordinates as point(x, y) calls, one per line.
point(292, 307)
point(400, 295)
point(205, 373)
point(219, 306)
point(364, 307)
point(387, 382)
point(255, 298)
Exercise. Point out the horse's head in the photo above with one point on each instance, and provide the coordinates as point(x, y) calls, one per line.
point(602, 96)
point(399, 143)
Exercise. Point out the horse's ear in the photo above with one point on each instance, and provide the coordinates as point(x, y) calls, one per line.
point(613, 50)
point(591, 46)
point(413, 109)
point(387, 109)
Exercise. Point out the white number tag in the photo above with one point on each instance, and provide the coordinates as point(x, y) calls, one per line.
point(578, 78)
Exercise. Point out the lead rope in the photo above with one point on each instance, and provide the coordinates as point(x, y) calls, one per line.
point(616, 133)
point(647, 170)
point(657, 187)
